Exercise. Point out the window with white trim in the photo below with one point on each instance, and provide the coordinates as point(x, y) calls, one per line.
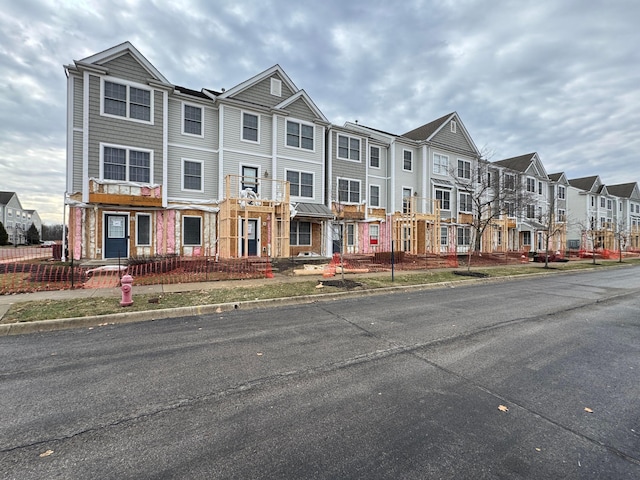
point(444, 196)
point(510, 209)
point(444, 236)
point(348, 190)
point(300, 233)
point(374, 157)
point(464, 236)
point(531, 211)
point(440, 164)
point(250, 127)
point(123, 100)
point(602, 202)
point(464, 169)
point(191, 231)
point(526, 237)
point(374, 195)
point(465, 203)
point(509, 181)
point(126, 164)
point(374, 234)
point(299, 135)
point(143, 229)
point(561, 192)
point(562, 215)
point(192, 175)
point(531, 185)
point(192, 120)
point(300, 183)
point(407, 160)
point(539, 188)
point(348, 148)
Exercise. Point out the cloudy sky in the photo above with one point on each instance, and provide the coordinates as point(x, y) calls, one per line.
point(560, 77)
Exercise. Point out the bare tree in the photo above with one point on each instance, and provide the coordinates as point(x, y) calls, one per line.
point(552, 227)
point(621, 234)
point(486, 195)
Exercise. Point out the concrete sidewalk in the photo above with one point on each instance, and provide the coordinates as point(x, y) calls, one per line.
point(7, 300)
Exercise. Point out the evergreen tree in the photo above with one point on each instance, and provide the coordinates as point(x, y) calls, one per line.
point(33, 237)
point(4, 237)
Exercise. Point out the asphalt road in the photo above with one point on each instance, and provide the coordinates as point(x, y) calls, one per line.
point(534, 378)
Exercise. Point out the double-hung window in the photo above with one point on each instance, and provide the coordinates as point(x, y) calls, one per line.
point(126, 101)
point(192, 120)
point(444, 236)
point(249, 127)
point(407, 160)
point(126, 164)
point(192, 175)
point(531, 185)
point(374, 195)
point(300, 233)
point(444, 197)
point(348, 148)
point(561, 192)
point(464, 169)
point(348, 191)
point(509, 181)
point(440, 164)
point(300, 184)
point(531, 211)
point(466, 204)
point(299, 135)
point(464, 236)
point(374, 157)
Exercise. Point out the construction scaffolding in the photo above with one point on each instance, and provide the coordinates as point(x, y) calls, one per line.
point(416, 229)
point(254, 209)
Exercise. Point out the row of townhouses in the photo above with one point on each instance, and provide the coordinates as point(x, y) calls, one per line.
point(16, 219)
point(257, 170)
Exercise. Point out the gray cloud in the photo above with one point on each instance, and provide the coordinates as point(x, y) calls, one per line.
point(559, 78)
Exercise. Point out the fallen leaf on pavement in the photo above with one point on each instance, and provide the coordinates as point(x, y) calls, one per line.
point(502, 408)
point(588, 410)
point(46, 454)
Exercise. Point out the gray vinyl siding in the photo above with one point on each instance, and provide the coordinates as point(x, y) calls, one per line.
point(404, 178)
point(301, 111)
point(380, 182)
point(77, 162)
point(233, 162)
point(77, 101)
point(316, 170)
point(127, 67)
point(456, 140)
point(123, 132)
point(348, 168)
point(260, 93)
point(209, 174)
point(233, 132)
point(175, 127)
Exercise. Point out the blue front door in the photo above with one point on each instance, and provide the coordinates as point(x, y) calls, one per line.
point(116, 236)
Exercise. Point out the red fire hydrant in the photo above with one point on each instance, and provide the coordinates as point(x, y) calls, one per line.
point(126, 282)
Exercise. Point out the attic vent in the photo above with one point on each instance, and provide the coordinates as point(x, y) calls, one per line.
point(454, 126)
point(276, 87)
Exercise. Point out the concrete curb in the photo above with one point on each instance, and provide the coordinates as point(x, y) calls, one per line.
point(150, 315)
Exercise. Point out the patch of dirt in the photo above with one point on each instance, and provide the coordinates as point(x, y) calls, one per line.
point(348, 284)
point(470, 274)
